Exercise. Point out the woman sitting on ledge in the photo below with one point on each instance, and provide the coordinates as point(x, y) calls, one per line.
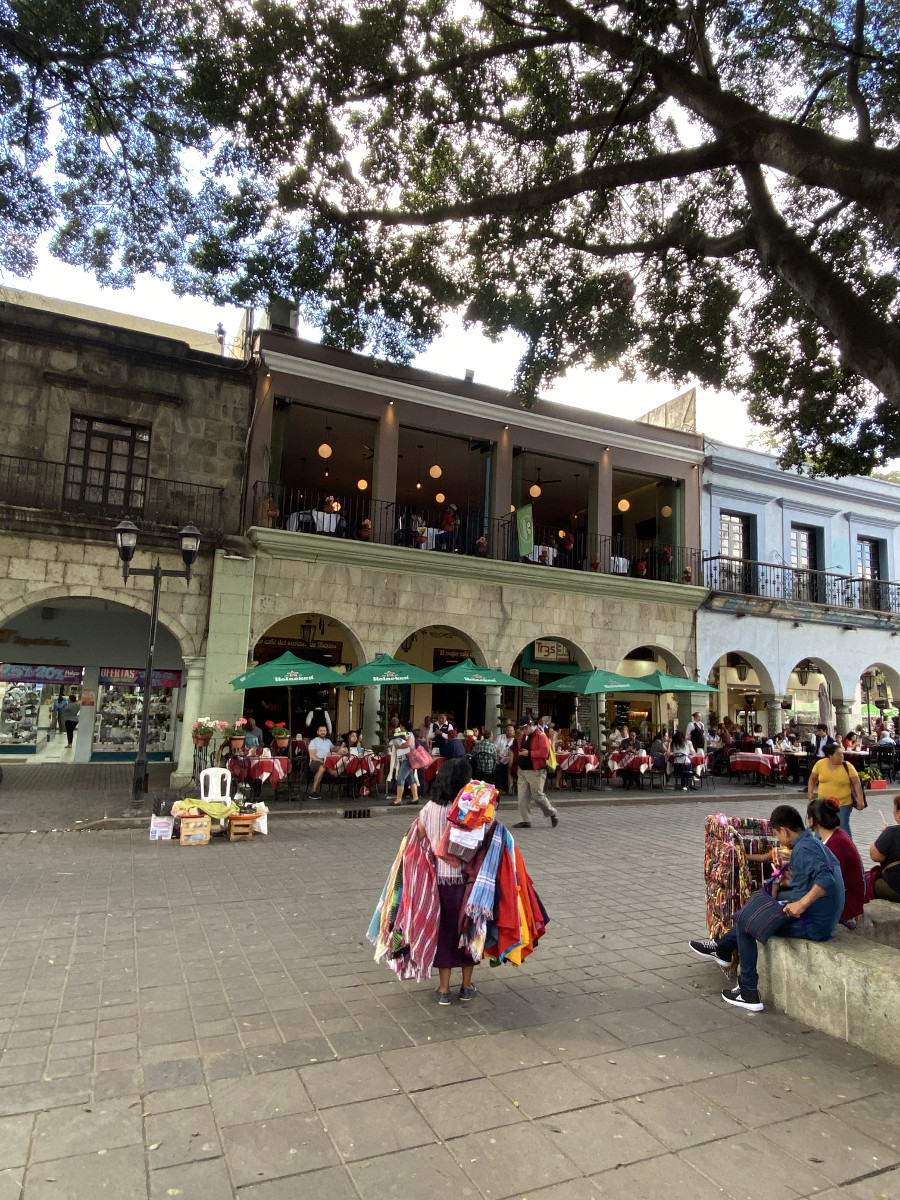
point(886, 850)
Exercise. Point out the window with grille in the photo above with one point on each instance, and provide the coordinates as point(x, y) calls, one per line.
point(106, 465)
point(734, 547)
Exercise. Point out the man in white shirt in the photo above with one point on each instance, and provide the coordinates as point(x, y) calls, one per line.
point(696, 732)
point(886, 739)
point(319, 749)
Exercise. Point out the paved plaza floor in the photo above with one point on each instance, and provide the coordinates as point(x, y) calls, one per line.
point(208, 1023)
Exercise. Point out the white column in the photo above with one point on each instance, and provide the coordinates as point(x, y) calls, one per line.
point(844, 722)
point(192, 690)
point(774, 717)
point(492, 709)
point(84, 730)
point(370, 714)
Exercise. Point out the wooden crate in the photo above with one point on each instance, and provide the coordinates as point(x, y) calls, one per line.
point(195, 831)
point(240, 828)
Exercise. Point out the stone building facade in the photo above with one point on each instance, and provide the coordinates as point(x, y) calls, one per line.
point(101, 421)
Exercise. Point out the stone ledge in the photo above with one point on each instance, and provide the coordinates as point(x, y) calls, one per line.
point(848, 988)
point(882, 923)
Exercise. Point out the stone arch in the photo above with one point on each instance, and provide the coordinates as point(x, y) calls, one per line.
point(44, 597)
point(316, 614)
point(763, 674)
point(670, 663)
point(577, 652)
point(891, 674)
point(831, 675)
point(478, 654)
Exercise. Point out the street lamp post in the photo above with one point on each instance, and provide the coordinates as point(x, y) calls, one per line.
point(126, 543)
point(868, 682)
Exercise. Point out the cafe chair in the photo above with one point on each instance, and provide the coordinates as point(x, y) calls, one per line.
point(215, 785)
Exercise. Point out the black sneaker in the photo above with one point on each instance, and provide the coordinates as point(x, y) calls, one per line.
point(741, 997)
point(708, 949)
point(314, 796)
point(554, 821)
point(522, 825)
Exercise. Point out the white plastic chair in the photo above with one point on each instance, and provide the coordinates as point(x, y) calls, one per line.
point(215, 785)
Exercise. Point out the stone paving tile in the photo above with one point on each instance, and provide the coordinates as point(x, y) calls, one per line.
point(182, 1137)
point(258, 1097)
point(881, 1186)
point(752, 1100)
point(600, 1138)
point(277, 1147)
point(342, 1082)
point(15, 1138)
point(375, 1127)
point(540, 1091)
point(206, 1180)
point(429, 1066)
point(461, 1108)
point(97, 1126)
point(426, 1173)
point(117, 1174)
point(332, 1183)
point(514, 1161)
point(666, 1176)
point(750, 1166)
point(621, 1073)
point(839, 1151)
point(678, 1117)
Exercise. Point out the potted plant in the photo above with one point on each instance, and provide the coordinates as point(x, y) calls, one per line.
point(281, 735)
point(203, 731)
point(233, 733)
point(687, 574)
point(641, 568)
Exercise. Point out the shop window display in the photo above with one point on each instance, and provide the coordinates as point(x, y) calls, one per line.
point(19, 713)
point(117, 722)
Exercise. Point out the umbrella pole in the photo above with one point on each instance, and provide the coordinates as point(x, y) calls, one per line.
point(466, 718)
point(290, 720)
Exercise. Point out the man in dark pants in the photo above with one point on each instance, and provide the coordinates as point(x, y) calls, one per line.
point(70, 718)
point(817, 884)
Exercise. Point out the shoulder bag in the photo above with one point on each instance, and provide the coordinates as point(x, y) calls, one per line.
point(762, 916)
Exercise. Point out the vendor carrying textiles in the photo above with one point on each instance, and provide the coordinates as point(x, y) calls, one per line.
point(437, 910)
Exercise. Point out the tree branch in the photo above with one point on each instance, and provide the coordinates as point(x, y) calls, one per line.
point(633, 115)
point(863, 120)
point(390, 82)
point(865, 173)
point(868, 344)
point(646, 170)
point(36, 53)
point(695, 245)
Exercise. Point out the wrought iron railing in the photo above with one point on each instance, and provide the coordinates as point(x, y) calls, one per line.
point(468, 532)
point(777, 581)
point(40, 484)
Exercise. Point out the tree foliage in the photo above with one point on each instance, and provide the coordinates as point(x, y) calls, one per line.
point(705, 189)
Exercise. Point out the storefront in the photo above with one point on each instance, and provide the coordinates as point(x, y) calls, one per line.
point(117, 716)
point(547, 660)
point(26, 703)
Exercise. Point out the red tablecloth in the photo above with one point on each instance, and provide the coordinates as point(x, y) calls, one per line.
point(255, 768)
point(352, 764)
point(639, 762)
point(698, 762)
point(762, 764)
point(579, 763)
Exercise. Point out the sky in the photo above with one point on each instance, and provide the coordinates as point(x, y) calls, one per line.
point(719, 415)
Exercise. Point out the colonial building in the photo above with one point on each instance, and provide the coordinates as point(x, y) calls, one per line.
point(103, 416)
point(387, 510)
point(801, 612)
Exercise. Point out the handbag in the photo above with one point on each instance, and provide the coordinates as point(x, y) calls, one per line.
point(419, 757)
point(762, 916)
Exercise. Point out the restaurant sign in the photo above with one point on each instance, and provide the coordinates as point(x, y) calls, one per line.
point(548, 650)
point(131, 675)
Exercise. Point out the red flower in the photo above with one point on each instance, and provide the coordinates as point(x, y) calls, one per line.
point(270, 724)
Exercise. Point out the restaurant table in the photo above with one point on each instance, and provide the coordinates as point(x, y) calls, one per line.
point(537, 551)
point(258, 769)
point(352, 764)
point(577, 762)
point(857, 758)
point(746, 763)
point(639, 762)
point(698, 762)
point(619, 565)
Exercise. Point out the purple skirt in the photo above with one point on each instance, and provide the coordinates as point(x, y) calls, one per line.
point(448, 953)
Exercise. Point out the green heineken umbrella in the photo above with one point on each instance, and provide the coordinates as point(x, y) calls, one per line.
point(661, 683)
point(384, 669)
point(470, 674)
point(589, 683)
point(287, 671)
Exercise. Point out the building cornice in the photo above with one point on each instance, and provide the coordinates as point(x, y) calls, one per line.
point(720, 464)
point(398, 389)
point(879, 522)
point(402, 560)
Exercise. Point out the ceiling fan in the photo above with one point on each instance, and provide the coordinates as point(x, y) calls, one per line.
point(535, 490)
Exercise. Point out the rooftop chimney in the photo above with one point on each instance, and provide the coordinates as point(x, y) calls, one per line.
point(470, 375)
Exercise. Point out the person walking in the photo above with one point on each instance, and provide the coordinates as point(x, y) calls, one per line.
point(833, 779)
point(56, 719)
point(534, 750)
point(70, 717)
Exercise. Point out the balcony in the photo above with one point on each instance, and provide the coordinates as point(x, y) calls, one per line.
point(787, 586)
point(37, 485)
point(467, 533)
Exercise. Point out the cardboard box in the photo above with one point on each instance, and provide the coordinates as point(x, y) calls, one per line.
point(195, 831)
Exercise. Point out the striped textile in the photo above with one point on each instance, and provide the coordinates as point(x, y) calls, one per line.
point(480, 905)
point(419, 913)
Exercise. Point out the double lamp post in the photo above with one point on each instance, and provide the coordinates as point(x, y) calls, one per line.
point(126, 543)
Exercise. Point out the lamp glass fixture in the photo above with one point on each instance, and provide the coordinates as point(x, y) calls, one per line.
point(666, 510)
point(440, 498)
point(126, 539)
point(190, 544)
point(534, 491)
point(435, 471)
point(868, 681)
point(512, 508)
point(306, 631)
point(561, 532)
point(362, 484)
point(325, 450)
point(623, 505)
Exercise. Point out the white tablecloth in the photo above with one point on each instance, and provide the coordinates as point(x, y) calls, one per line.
point(535, 555)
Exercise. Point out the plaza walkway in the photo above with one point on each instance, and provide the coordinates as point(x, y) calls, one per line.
point(208, 1023)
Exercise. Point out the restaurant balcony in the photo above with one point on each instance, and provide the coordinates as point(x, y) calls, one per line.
point(468, 534)
point(32, 495)
point(779, 587)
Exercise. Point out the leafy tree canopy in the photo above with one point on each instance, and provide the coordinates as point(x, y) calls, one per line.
point(702, 189)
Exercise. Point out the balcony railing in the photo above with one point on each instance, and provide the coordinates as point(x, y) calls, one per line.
point(468, 532)
point(39, 484)
point(775, 581)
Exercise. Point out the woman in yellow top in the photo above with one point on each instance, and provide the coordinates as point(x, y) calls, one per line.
point(833, 779)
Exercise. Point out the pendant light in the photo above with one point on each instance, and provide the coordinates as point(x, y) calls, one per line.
point(325, 450)
point(419, 469)
point(440, 498)
point(435, 470)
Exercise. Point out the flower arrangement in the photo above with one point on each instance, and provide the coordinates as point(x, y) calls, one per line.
point(667, 554)
point(279, 729)
point(235, 729)
point(641, 568)
point(206, 727)
point(687, 574)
